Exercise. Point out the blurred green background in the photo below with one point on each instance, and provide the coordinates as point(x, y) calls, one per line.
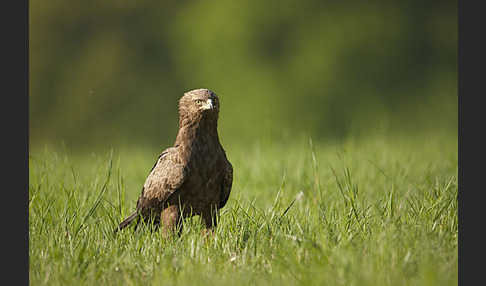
point(109, 73)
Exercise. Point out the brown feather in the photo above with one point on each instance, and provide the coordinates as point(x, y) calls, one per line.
point(194, 177)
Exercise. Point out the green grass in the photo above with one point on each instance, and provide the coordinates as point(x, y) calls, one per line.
point(381, 211)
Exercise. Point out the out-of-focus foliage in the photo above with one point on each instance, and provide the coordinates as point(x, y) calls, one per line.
point(111, 72)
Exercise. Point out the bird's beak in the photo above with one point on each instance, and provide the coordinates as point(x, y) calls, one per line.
point(207, 105)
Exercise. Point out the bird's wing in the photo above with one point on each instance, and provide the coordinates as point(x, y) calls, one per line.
point(226, 184)
point(166, 176)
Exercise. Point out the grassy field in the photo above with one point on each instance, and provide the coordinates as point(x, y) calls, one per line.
point(378, 211)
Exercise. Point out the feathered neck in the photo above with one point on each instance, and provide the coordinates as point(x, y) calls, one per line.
point(197, 129)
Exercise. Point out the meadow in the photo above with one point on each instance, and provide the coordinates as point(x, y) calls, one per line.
point(372, 211)
point(340, 122)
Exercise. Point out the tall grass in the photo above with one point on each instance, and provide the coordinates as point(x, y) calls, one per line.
point(376, 212)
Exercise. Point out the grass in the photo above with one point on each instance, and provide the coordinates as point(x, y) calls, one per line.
point(381, 211)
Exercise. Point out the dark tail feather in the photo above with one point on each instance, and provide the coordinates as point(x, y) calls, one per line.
point(127, 221)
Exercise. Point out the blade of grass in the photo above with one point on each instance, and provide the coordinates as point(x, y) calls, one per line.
point(98, 199)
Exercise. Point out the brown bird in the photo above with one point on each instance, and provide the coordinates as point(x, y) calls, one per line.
point(193, 177)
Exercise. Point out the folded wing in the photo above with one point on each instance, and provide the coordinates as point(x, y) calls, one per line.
point(166, 177)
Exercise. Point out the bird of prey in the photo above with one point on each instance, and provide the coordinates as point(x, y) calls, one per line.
point(193, 177)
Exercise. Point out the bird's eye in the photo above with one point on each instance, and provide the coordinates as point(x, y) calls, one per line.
point(198, 101)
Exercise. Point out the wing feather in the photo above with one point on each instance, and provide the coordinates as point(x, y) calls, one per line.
point(166, 176)
point(226, 185)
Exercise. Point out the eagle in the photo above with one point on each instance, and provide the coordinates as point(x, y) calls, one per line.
point(194, 176)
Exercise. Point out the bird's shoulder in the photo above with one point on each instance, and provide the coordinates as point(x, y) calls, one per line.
point(166, 176)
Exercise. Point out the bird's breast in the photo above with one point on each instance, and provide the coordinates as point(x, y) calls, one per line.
point(202, 187)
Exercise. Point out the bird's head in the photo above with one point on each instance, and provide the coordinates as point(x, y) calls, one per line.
point(198, 104)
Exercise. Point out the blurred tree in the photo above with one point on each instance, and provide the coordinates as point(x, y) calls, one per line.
point(111, 72)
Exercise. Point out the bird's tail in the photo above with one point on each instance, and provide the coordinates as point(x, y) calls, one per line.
point(127, 221)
